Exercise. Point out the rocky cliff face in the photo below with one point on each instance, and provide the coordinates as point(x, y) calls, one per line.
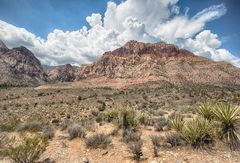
point(65, 73)
point(19, 66)
point(160, 61)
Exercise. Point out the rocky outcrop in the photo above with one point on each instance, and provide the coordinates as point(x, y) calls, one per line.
point(160, 61)
point(19, 66)
point(65, 73)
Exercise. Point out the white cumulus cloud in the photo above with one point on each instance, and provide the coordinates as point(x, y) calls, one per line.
point(142, 20)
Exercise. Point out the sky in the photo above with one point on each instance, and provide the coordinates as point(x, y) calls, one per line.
point(80, 31)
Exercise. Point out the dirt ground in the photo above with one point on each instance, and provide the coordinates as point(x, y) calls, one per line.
point(74, 151)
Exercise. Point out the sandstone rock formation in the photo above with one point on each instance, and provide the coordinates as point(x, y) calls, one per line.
point(65, 73)
point(19, 66)
point(160, 61)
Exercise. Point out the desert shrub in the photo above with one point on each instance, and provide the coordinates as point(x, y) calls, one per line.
point(33, 126)
point(55, 121)
point(95, 113)
point(145, 119)
point(130, 135)
point(102, 105)
point(229, 117)
point(98, 141)
point(206, 110)
point(27, 151)
point(65, 124)
point(88, 124)
point(128, 118)
point(175, 139)
point(76, 131)
point(160, 123)
point(136, 148)
point(48, 132)
point(112, 116)
point(177, 123)
point(9, 126)
point(156, 142)
point(199, 133)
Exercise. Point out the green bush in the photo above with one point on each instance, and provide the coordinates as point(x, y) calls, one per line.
point(229, 117)
point(27, 151)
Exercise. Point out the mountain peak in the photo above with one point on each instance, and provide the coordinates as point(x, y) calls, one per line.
point(159, 50)
point(3, 47)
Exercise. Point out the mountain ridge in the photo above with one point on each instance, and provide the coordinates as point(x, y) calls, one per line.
point(134, 60)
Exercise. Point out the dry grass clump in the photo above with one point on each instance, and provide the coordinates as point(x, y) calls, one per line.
point(9, 126)
point(48, 132)
point(25, 150)
point(156, 142)
point(34, 126)
point(130, 135)
point(160, 124)
point(76, 131)
point(98, 140)
point(175, 139)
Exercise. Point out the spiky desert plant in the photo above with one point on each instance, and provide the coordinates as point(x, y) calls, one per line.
point(205, 109)
point(199, 133)
point(177, 123)
point(229, 117)
point(128, 118)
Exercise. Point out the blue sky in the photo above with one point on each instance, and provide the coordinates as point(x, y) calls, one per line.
point(41, 17)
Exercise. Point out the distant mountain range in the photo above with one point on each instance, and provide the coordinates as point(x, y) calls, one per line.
point(134, 60)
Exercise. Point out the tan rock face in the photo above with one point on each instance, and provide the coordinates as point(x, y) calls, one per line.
point(161, 61)
point(20, 66)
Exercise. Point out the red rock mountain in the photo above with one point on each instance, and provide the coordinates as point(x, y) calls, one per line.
point(134, 60)
point(159, 61)
point(19, 66)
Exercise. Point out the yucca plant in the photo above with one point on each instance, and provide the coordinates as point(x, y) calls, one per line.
point(177, 123)
point(205, 109)
point(127, 118)
point(199, 133)
point(229, 117)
